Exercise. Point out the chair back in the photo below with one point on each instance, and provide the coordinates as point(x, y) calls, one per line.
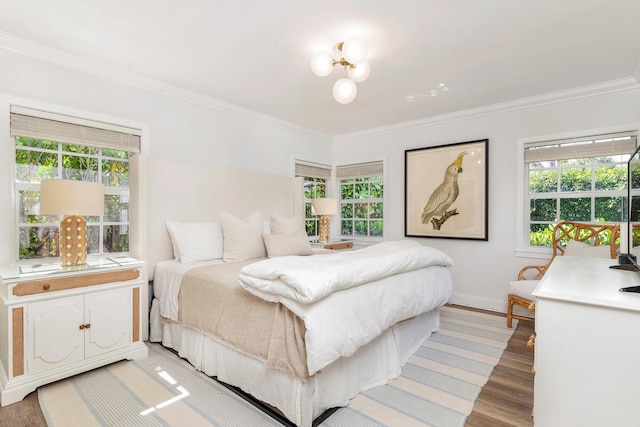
point(594, 234)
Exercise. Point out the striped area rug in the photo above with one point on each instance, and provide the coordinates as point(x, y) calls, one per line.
point(438, 387)
point(441, 381)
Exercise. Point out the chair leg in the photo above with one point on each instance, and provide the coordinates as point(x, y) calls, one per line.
point(513, 300)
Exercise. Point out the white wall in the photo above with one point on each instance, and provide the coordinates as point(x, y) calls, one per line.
point(484, 269)
point(179, 130)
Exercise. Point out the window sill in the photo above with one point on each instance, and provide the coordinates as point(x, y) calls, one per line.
point(362, 242)
point(540, 253)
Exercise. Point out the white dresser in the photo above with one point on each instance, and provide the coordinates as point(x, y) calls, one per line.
point(587, 348)
point(56, 322)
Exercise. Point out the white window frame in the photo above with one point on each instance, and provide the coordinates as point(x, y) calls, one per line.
point(523, 249)
point(307, 169)
point(137, 235)
point(336, 223)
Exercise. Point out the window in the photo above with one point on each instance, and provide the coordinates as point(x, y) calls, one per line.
point(578, 179)
point(361, 199)
point(315, 178)
point(54, 149)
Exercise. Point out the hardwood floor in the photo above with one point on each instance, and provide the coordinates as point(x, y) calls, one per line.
point(25, 413)
point(506, 399)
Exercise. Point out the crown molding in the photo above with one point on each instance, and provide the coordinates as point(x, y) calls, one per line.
point(41, 52)
point(51, 55)
point(623, 84)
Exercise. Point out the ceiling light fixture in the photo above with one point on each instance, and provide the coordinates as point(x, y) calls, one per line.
point(353, 58)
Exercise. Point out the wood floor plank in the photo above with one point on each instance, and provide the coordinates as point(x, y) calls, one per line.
point(507, 398)
point(25, 413)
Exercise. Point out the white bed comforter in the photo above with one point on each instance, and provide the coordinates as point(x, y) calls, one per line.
point(343, 307)
point(311, 278)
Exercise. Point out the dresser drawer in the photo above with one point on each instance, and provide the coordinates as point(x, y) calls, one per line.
point(71, 282)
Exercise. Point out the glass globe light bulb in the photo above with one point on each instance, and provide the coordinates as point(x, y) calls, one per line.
point(344, 91)
point(354, 50)
point(360, 72)
point(321, 64)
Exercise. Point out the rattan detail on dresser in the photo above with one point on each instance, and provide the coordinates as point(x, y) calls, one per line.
point(56, 323)
point(64, 283)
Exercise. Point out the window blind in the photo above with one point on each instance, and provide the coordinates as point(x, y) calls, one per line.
point(313, 170)
point(55, 128)
point(360, 170)
point(577, 148)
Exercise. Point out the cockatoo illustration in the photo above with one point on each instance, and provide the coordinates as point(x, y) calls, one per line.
point(446, 193)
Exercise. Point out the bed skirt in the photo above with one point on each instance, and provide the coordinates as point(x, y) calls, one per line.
point(300, 401)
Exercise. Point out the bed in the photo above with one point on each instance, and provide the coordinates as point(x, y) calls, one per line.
point(323, 344)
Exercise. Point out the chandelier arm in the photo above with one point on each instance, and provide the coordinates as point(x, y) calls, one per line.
point(344, 63)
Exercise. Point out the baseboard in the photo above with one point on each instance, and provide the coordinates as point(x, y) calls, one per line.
point(499, 306)
point(489, 304)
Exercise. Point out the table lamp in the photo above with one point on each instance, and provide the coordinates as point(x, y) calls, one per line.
point(323, 207)
point(72, 199)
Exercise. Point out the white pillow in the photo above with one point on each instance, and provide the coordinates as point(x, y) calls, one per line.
point(195, 241)
point(287, 244)
point(266, 227)
point(575, 248)
point(242, 239)
point(281, 224)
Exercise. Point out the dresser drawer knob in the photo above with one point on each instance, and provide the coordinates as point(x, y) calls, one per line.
point(87, 326)
point(46, 287)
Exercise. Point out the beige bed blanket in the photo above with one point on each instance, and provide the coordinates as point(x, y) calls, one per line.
point(213, 302)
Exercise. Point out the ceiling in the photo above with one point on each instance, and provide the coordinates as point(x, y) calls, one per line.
point(256, 54)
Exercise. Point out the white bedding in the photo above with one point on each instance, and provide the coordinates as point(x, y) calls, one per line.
point(166, 284)
point(301, 402)
point(340, 323)
point(309, 279)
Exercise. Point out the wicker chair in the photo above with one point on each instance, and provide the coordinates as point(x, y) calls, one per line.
point(602, 238)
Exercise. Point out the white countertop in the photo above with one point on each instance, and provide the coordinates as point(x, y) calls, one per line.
point(25, 271)
point(589, 281)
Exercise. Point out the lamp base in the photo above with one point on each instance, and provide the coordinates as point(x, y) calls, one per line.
point(323, 235)
point(73, 241)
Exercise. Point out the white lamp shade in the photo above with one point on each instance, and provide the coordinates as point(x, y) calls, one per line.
point(65, 197)
point(321, 64)
point(324, 206)
point(360, 72)
point(345, 91)
point(354, 50)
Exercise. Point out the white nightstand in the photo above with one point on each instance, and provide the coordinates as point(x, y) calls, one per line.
point(56, 321)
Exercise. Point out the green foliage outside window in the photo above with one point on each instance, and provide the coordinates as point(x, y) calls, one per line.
point(40, 159)
point(313, 187)
point(361, 206)
point(584, 190)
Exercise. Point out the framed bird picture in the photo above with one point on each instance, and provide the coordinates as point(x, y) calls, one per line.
point(446, 191)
